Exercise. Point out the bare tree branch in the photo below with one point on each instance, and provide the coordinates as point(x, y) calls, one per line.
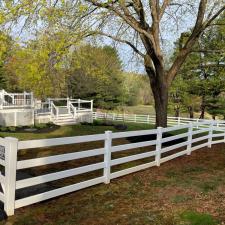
point(121, 41)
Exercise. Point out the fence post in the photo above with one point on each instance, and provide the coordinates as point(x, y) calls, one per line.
point(210, 134)
point(178, 120)
point(158, 145)
point(135, 118)
point(10, 174)
point(107, 156)
point(217, 123)
point(189, 145)
point(197, 120)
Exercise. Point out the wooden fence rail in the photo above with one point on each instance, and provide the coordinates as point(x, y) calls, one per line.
point(191, 136)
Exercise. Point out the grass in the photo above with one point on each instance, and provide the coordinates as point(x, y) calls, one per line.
point(168, 195)
point(74, 130)
point(195, 218)
point(139, 109)
point(186, 191)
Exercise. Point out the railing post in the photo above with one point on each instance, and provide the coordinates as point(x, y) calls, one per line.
point(74, 112)
point(135, 118)
point(107, 156)
point(78, 104)
point(32, 103)
point(68, 104)
point(91, 105)
point(24, 98)
point(210, 134)
point(10, 174)
point(148, 119)
point(57, 112)
point(189, 145)
point(158, 145)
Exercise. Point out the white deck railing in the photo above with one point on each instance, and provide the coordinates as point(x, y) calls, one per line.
point(187, 137)
point(16, 100)
point(73, 106)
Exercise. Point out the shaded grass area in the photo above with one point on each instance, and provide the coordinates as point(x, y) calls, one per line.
point(188, 190)
point(74, 130)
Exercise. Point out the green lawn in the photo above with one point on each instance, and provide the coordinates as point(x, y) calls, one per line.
point(187, 191)
point(74, 130)
point(139, 109)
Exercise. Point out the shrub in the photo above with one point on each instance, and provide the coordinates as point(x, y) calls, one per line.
point(12, 129)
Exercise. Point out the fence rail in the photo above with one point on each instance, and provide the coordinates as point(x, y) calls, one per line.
point(150, 119)
point(160, 148)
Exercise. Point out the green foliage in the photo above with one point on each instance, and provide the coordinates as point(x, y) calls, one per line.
point(195, 218)
point(203, 74)
point(136, 90)
point(5, 48)
point(95, 74)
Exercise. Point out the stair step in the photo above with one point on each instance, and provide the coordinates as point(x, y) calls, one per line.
point(64, 115)
point(65, 123)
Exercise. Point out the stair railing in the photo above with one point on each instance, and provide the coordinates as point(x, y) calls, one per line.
point(54, 110)
point(72, 110)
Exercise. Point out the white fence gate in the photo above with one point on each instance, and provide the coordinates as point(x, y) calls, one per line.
point(193, 136)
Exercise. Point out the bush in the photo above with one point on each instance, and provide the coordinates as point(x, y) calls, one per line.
point(103, 123)
point(40, 125)
point(3, 129)
point(12, 129)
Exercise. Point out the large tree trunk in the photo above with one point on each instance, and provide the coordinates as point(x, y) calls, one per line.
point(160, 94)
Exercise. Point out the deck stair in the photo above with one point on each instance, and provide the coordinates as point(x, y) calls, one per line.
point(64, 119)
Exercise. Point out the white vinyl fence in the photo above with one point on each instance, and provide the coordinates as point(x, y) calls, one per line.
point(159, 148)
point(150, 119)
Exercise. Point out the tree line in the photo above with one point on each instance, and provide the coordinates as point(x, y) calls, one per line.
point(84, 71)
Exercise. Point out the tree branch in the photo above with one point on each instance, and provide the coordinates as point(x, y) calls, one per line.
point(163, 8)
point(121, 41)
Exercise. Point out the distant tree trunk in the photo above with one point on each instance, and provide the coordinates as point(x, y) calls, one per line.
point(191, 111)
point(202, 115)
point(177, 111)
